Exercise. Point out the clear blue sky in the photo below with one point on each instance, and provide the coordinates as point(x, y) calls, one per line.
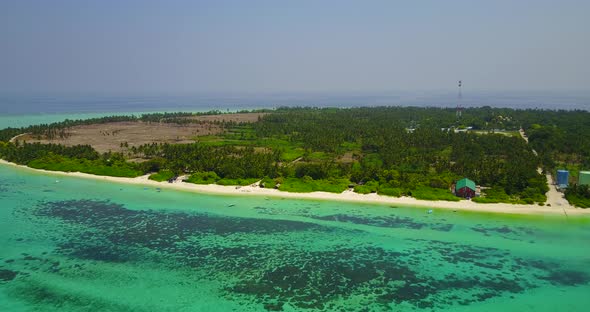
point(292, 46)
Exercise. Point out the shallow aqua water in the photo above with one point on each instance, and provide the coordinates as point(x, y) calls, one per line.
point(71, 244)
point(25, 120)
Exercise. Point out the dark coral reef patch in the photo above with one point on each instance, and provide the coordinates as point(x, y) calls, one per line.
point(7, 275)
point(274, 271)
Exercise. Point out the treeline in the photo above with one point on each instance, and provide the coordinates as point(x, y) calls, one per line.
point(27, 152)
point(79, 158)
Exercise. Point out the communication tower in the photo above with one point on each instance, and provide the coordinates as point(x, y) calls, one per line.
point(459, 97)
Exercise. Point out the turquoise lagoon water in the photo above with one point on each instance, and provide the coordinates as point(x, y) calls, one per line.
point(71, 244)
point(25, 120)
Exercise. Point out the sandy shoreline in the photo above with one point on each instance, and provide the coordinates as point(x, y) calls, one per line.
point(348, 196)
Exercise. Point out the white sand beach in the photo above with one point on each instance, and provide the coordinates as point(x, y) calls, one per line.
point(463, 205)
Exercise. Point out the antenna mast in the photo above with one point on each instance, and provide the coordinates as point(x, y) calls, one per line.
point(459, 97)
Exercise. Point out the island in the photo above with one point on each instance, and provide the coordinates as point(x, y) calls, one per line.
point(484, 157)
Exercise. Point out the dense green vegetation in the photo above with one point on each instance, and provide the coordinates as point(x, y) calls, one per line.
point(307, 184)
point(227, 162)
point(578, 195)
point(210, 177)
point(82, 158)
point(407, 149)
point(562, 138)
point(430, 193)
point(393, 151)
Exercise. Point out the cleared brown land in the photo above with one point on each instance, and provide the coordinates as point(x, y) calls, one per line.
point(109, 136)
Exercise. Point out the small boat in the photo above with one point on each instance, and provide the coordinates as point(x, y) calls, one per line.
point(429, 211)
point(231, 205)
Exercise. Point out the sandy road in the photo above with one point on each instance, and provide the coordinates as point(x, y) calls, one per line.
point(554, 197)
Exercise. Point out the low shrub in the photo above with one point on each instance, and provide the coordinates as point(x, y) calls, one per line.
point(429, 193)
point(306, 185)
point(163, 175)
point(208, 177)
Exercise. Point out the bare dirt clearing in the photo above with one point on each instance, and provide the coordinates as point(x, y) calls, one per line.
point(111, 136)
